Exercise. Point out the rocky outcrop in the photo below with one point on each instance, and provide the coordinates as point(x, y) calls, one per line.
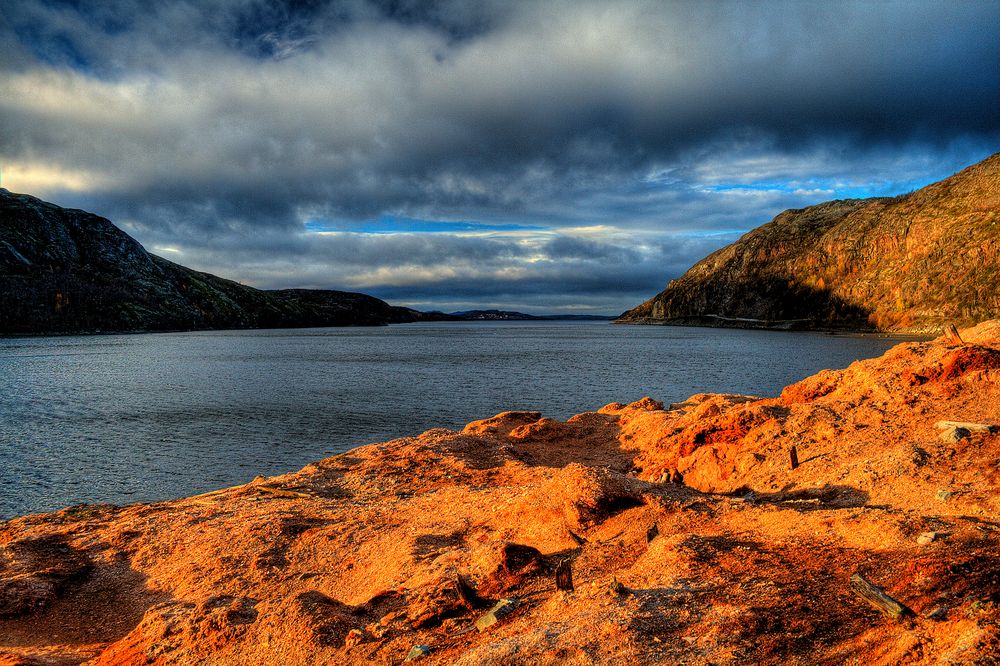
point(909, 263)
point(64, 271)
point(690, 538)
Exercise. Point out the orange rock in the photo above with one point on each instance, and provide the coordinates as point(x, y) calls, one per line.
point(502, 423)
point(357, 558)
point(500, 566)
point(592, 494)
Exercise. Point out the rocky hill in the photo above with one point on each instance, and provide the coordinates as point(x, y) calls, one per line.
point(64, 270)
point(908, 264)
point(721, 530)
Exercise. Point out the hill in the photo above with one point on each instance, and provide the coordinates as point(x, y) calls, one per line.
point(70, 271)
point(907, 264)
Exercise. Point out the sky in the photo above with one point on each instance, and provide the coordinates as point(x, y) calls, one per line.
point(548, 157)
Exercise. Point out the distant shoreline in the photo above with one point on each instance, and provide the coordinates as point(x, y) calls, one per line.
point(746, 324)
point(431, 320)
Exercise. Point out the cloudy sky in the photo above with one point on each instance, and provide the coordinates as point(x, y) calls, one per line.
point(542, 156)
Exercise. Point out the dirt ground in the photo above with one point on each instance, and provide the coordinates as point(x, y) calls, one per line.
point(689, 536)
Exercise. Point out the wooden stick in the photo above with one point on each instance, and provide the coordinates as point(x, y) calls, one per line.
point(877, 597)
point(971, 427)
point(564, 576)
point(795, 457)
point(503, 608)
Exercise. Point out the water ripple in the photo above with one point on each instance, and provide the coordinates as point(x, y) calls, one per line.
point(126, 418)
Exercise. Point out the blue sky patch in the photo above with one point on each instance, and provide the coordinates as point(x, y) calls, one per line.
point(840, 190)
point(391, 224)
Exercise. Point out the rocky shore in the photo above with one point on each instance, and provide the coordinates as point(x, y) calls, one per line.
point(725, 529)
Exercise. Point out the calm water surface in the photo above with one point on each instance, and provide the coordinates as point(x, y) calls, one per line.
point(127, 418)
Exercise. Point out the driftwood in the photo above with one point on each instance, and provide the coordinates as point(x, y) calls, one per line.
point(951, 333)
point(877, 597)
point(503, 608)
point(954, 435)
point(965, 425)
point(209, 498)
point(794, 454)
point(564, 576)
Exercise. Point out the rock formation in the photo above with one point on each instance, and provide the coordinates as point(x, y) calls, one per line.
point(689, 537)
point(65, 271)
point(908, 263)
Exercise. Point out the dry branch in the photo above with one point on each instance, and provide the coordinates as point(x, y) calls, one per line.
point(877, 597)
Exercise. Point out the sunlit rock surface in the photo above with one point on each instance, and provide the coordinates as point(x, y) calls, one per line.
point(361, 557)
point(909, 263)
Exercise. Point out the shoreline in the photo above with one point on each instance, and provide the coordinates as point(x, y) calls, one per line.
point(925, 333)
point(98, 431)
point(539, 319)
point(688, 535)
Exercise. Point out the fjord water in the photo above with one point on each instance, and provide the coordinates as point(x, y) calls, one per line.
point(125, 418)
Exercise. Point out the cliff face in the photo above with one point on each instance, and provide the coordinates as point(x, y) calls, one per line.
point(909, 263)
point(65, 271)
point(689, 535)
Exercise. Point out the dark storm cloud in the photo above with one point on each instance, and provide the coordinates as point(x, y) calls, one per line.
point(456, 272)
point(207, 127)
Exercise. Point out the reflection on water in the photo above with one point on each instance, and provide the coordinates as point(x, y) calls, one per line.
point(140, 417)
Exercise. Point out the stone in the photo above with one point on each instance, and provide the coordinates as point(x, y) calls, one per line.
point(354, 637)
point(590, 494)
point(943, 495)
point(937, 613)
point(418, 652)
point(443, 597)
point(926, 538)
point(652, 532)
point(500, 566)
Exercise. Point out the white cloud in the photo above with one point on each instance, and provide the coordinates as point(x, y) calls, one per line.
point(219, 128)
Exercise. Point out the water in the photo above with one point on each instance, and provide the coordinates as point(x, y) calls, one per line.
point(124, 418)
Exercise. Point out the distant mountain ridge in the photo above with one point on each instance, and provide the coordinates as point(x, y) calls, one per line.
point(507, 315)
point(69, 271)
point(910, 263)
